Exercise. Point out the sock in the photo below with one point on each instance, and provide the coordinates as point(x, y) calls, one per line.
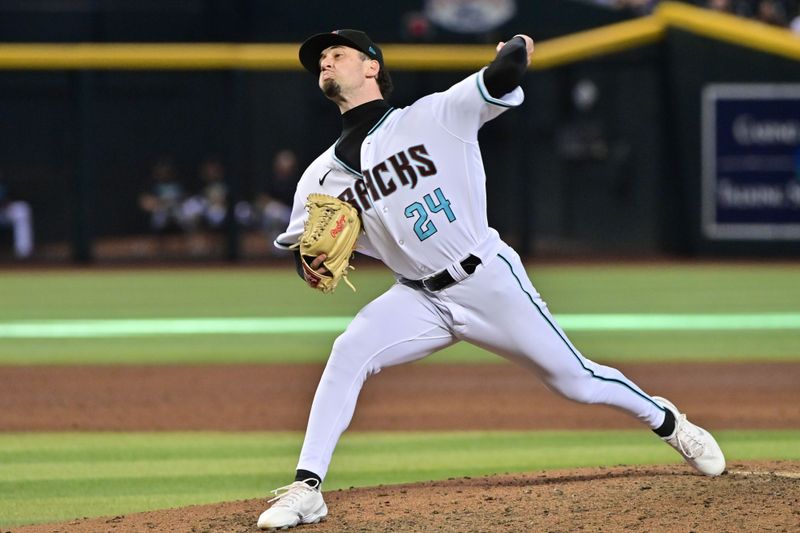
point(668, 426)
point(308, 478)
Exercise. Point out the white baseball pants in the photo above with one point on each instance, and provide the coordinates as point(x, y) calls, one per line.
point(496, 308)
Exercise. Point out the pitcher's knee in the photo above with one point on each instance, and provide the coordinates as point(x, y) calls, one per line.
point(578, 388)
point(349, 356)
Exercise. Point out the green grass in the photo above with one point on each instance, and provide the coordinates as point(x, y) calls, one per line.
point(240, 292)
point(278, 292)
point(59, 476)
point(190, 293)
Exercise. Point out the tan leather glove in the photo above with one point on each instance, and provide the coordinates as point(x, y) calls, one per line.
point(332, 228)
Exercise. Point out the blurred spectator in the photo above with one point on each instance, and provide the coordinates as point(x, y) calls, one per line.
point(771, 12)
point(18, 215)
point(272, 208)
point(283, 181)
point(209, 208)
point(794, 25)
point(725, 6)
point(163, 201)
point(417, 27)
point(742, 8)
point(640, 7)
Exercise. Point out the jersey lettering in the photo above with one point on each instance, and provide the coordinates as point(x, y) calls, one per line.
point(403, 169)
point(386, 189)
point(426, 166)
point(347, 196)
point(362, 194)
point(379, 183)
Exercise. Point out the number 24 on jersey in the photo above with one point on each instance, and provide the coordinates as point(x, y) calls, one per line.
point(424, 227)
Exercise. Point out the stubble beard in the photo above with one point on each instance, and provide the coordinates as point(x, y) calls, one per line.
point(332, 90)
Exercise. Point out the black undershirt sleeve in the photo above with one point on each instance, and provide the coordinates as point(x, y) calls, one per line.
point(298, 265)
point(505, 73)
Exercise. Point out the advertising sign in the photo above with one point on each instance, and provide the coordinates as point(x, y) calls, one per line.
point(751, 162)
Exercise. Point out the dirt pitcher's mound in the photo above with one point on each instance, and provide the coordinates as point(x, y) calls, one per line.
point(750, 497)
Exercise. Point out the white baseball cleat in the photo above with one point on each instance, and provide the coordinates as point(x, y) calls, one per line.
point(694, 443)
point(298, 503)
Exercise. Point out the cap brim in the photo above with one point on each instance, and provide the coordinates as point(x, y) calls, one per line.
point(311, 49)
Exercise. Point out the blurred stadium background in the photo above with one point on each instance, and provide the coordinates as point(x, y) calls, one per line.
point(672, 132)
point(658, 147)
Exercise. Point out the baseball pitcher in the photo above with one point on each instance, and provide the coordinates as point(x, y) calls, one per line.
point(407, 186)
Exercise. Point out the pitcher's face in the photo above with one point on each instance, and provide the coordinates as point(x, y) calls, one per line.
point(343, 71)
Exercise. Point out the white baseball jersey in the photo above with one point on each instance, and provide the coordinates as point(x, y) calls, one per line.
point(421, 192)
point(423, 203)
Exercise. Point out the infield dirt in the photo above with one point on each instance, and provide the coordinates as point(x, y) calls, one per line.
point(751, 497)
point(410, 397)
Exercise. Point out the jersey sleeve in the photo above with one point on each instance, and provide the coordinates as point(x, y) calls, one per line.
point(467, 105)
point(298, 220)
point(309, 183)
point(291, 235)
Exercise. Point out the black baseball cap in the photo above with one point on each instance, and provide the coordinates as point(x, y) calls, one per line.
point(312, 48)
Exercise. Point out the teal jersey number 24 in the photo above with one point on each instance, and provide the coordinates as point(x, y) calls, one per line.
point(424, 227)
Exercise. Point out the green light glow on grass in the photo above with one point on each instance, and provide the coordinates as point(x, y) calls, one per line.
point(50, 329)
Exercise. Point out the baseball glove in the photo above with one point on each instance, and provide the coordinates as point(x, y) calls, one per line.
point(332, 229)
